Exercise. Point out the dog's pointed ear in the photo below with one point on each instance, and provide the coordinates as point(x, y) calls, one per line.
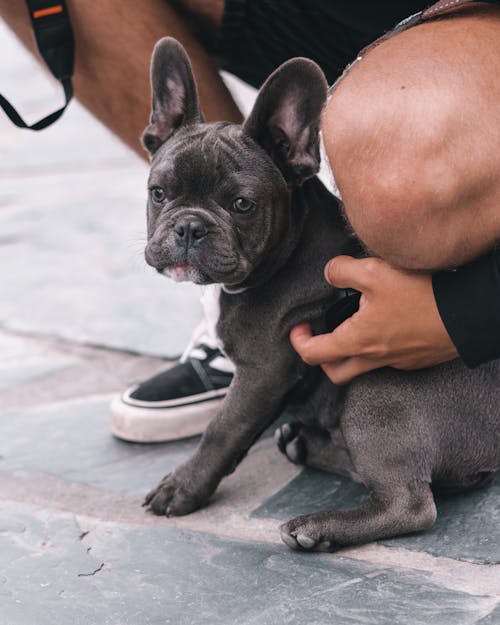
point(286, 115)
point(174, 94)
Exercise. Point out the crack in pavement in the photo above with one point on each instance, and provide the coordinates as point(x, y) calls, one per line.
point(97, 570)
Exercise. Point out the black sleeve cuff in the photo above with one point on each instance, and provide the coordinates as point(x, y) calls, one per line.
point(468, 300)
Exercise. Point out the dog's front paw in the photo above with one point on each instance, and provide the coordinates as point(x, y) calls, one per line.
point(174, 496)
point(307, 533)
point(291, 443)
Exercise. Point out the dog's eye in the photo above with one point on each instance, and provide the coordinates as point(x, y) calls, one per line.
point(242, 205)
point(158, 194)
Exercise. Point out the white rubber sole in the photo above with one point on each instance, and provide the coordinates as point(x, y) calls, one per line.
point(140, 422)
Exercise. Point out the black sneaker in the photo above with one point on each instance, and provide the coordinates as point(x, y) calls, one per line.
point(175, 403)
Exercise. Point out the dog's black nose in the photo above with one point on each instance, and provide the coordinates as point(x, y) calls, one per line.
point(188, 230)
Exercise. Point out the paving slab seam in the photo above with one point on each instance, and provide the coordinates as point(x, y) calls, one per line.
point(86, 502)
point(40, 170)
point(461, 575)
point(73, 400)
point(60, 343)
point(78, 399)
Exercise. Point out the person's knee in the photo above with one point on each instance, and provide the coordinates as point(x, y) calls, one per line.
point(396, 183)
point(396, 193)
point(415, 169)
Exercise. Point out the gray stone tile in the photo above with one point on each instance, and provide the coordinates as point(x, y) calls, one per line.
point(36, 370)
point(467, 527)
point(72, 441)
point(53, 571)
point(492, 619)
point(311, 491)
point(72, 224)
point(21, 362)
point(76, 243)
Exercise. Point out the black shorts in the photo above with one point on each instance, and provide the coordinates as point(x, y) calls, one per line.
point(258, 35)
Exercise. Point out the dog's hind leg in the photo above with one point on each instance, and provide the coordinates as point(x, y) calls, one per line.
point(315, 447)
point(391, 510)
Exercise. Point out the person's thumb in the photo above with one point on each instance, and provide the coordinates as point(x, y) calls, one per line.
point(346, 272)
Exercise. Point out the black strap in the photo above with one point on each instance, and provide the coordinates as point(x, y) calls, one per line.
point(54, 38)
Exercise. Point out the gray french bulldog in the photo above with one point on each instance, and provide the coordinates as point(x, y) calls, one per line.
point(240, 206)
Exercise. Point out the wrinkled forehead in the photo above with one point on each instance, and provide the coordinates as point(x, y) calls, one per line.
point(205, 154)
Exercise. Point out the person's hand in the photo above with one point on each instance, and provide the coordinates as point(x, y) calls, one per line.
point(397, 324)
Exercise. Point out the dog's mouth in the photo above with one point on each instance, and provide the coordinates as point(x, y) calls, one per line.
point(199, 268)
point(183, 272)
point(188, 272)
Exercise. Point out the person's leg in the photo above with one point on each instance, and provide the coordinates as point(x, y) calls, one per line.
point(114, 42)
point(113, 45)
point(412, 137)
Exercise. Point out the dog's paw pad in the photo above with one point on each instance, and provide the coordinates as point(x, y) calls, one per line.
point(305, 541)
point(283, 435)
point(298, 541)
point(289, 540)
point(290, 443)
point(278, 437)
point(295, 451)
point(157, 500)
point(172, 498)
point(298, 538)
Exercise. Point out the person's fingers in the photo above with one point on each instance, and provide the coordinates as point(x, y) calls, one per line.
point(347, 272)
point(315, 350)
point(342, 372)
